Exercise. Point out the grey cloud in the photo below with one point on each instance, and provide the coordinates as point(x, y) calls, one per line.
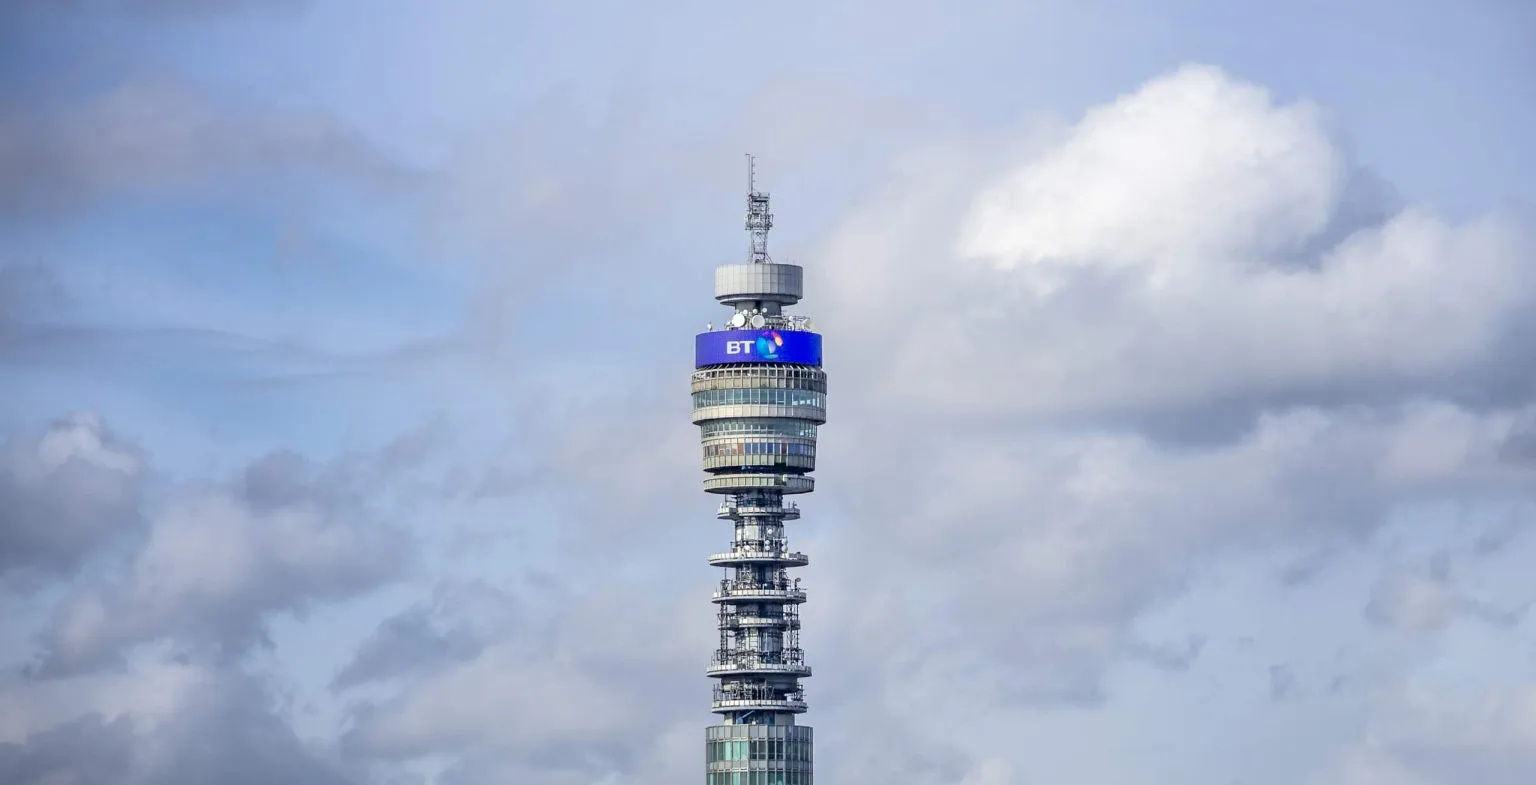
point(403, 643)
point(1426, 598)
point(1504, 616)
point(1434, 737)
point(155, 135)
point(1282, 683)
point(87, 751)
point(1084, 535)
point(64, 494)
point(1169, 657)
point(204, 571)
point(215, 562)
point(1451, 765)
point(590, 689)
point(454, 628)
point(226, 732)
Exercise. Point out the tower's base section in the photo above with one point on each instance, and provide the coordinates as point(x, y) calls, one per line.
point(758, 754)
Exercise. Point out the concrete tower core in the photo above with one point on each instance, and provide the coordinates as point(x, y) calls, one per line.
point(759, 393)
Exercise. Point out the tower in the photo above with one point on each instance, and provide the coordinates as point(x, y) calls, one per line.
point(758, 394)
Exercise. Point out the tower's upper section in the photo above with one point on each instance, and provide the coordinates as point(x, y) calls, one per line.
point(760, 284)
point(759, 290)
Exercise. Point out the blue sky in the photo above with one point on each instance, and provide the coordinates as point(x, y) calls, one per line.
point(1180, 406)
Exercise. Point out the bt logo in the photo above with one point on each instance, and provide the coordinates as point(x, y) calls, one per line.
point(768, 345)
point(765, 346)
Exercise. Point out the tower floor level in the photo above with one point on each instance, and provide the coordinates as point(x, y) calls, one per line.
point(759, 394)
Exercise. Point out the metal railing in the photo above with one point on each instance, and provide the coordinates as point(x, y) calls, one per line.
point(787, 509)
point(735, 621)
point(757, 692)
point(760, 553)
point(793, 657)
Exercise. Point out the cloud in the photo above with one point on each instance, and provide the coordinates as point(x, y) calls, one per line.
point(216, 561)
point(591, 689)
point(171, 595)
point(1193, 170)
point(150, 135)
point(1426, 736)
point(454, 628)
point(1414, 599)
point(1183, 249)
point(215, 725)
point(1084, 534)
point(64, 493)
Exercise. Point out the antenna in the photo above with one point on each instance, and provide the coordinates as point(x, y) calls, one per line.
point(759, 220)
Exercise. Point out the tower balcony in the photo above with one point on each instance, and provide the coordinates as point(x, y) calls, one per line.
point(744, 556)
point(745, 592)
point(757, 697)
point(743, 621)
point(749, 663)
point(747, 482)
point(731, 510)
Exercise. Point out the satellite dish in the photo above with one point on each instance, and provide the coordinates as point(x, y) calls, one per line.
point(738, 319)
point(758, 321)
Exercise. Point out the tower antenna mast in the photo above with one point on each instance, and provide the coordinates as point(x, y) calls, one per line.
point(759, 220)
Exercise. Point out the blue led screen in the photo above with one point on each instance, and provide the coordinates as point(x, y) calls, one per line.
point(756, 346)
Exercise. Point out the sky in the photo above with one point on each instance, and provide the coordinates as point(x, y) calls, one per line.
point(1181, 420)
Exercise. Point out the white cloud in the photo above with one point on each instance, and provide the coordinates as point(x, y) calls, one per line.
point(1184, 246)
point(1193, 171)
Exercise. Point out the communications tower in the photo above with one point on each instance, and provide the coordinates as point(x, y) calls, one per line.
point(758, 394)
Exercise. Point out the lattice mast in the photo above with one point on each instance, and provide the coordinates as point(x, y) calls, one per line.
point(759, 394)
point(759, 219)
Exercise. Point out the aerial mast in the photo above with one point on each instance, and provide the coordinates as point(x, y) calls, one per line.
point(759, 220)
